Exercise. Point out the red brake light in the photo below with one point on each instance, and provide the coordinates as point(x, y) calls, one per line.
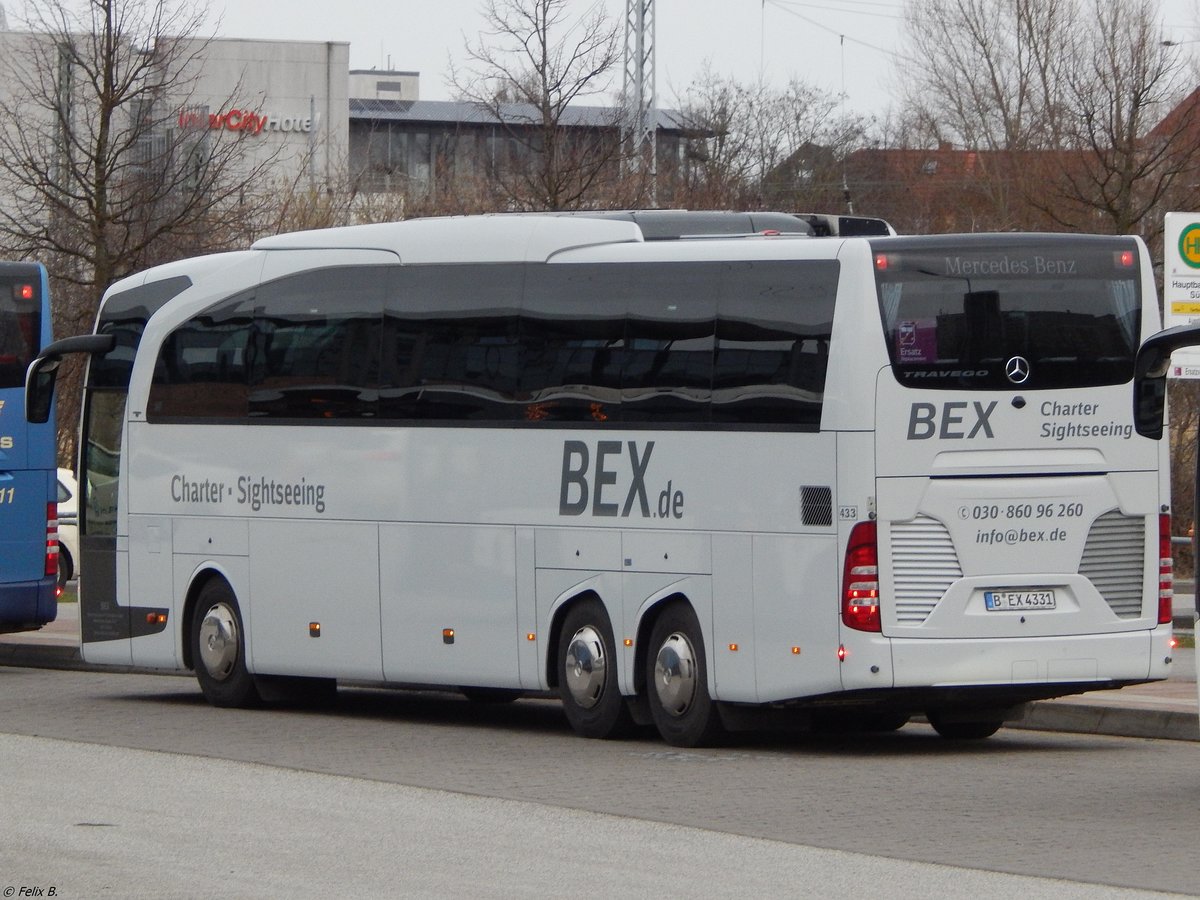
point(1166, 576)
point(881, 262)
point(51, 538)
point(860, 580)
point(25, 291)
point(1125, 259)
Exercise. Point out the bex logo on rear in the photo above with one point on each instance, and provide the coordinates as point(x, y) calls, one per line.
point(581, 483)
point(953, 422)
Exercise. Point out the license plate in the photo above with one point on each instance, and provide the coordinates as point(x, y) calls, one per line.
point(1000, 601)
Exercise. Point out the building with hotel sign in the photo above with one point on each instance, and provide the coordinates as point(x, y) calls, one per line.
point(298, 106)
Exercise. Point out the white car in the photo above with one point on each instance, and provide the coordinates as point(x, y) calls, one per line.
point(68, 526)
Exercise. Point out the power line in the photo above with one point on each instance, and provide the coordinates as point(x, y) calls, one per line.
point(784, 6)
point(853, 7)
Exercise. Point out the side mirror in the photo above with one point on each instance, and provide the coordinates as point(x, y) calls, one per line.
point(39, 388)
point(1150, 376)
point(43, 371)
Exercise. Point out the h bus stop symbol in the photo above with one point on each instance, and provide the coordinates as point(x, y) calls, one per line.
point(1189, 245)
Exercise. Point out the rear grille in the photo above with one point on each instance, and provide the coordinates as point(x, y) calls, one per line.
point(924, 565)
point(1114, 560)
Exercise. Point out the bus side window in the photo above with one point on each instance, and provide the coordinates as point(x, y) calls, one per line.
point(773, 330)
point(668, 372)
point(196, 375)
point(450, 340)
point(574, 338)
point(316, 352)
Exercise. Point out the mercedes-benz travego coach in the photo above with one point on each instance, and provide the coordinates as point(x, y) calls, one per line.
point(708, 481)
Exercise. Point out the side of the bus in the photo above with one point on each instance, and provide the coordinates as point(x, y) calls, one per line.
point(530, 481)
point(484, 554)
point(28, 484)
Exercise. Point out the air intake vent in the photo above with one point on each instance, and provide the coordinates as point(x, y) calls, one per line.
point(1114, 560)
point(816, 505)
point(924, 565)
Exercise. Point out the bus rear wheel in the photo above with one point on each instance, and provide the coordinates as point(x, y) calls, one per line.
point(956, 729)
point(219, 648)
point(587, 673)
point(677, 680)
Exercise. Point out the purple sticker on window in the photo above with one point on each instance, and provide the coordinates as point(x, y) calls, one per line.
point(916, 341)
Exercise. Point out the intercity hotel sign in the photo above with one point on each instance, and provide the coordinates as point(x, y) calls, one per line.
point(246, 121)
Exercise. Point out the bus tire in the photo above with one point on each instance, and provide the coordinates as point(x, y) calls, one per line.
point(677, 680)
point(587, 673)
point(66, 566)
point(955, 729)
point(219, 648)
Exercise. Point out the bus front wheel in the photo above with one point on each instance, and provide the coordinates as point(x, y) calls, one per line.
point(219, 648)
point(677, 680)
point(587, 673)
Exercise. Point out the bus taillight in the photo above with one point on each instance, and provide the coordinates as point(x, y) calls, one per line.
point(860, 580)
point(1166, 576)
point(51, 539)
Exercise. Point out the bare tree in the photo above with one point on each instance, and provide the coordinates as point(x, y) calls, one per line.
point(1061, 98)
point(988, 74)
point(528, 70)
point(1130, 154)
point(100, 172)
point(752, 145)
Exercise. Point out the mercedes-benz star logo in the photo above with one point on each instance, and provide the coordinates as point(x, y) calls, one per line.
point(1017, 370)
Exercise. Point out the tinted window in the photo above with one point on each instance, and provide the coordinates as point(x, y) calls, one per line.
point(450, 343)
point(620, 343)
point(658, 343)
point(301, 347)
point(957, 312)
point(125, 315)
point(313, 350)
point(20, 325)
point(202, 367)
point(773, 342)
point(671, 332)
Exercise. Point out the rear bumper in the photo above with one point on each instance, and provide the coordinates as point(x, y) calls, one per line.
point(1104, 658)
point(28, 605)
point(1051, 665)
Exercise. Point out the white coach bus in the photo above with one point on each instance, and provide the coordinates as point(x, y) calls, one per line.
point(699, 481)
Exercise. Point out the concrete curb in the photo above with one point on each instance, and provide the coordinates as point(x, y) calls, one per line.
point(1086, 718)
point(1044, 715)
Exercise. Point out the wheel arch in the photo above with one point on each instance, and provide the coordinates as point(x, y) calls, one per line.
point(200, 578)
point(562, 606)
point(641, 642)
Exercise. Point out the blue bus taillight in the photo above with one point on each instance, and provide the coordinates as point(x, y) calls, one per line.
point(51, 539)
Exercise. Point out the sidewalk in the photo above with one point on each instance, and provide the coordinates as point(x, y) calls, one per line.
point(1164, 709)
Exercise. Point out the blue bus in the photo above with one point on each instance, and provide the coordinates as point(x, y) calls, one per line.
point(28, 474)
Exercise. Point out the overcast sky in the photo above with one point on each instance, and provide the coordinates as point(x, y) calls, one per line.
point(780, 38)
point(737, 37)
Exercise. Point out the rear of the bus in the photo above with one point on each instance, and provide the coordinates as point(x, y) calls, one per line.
point(28, 521)
point(1022, 530)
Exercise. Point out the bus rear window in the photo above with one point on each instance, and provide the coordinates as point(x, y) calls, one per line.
point(20, 328)
point(997, 313)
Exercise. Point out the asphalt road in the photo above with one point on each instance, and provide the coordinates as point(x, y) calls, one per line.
point(124, 783)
